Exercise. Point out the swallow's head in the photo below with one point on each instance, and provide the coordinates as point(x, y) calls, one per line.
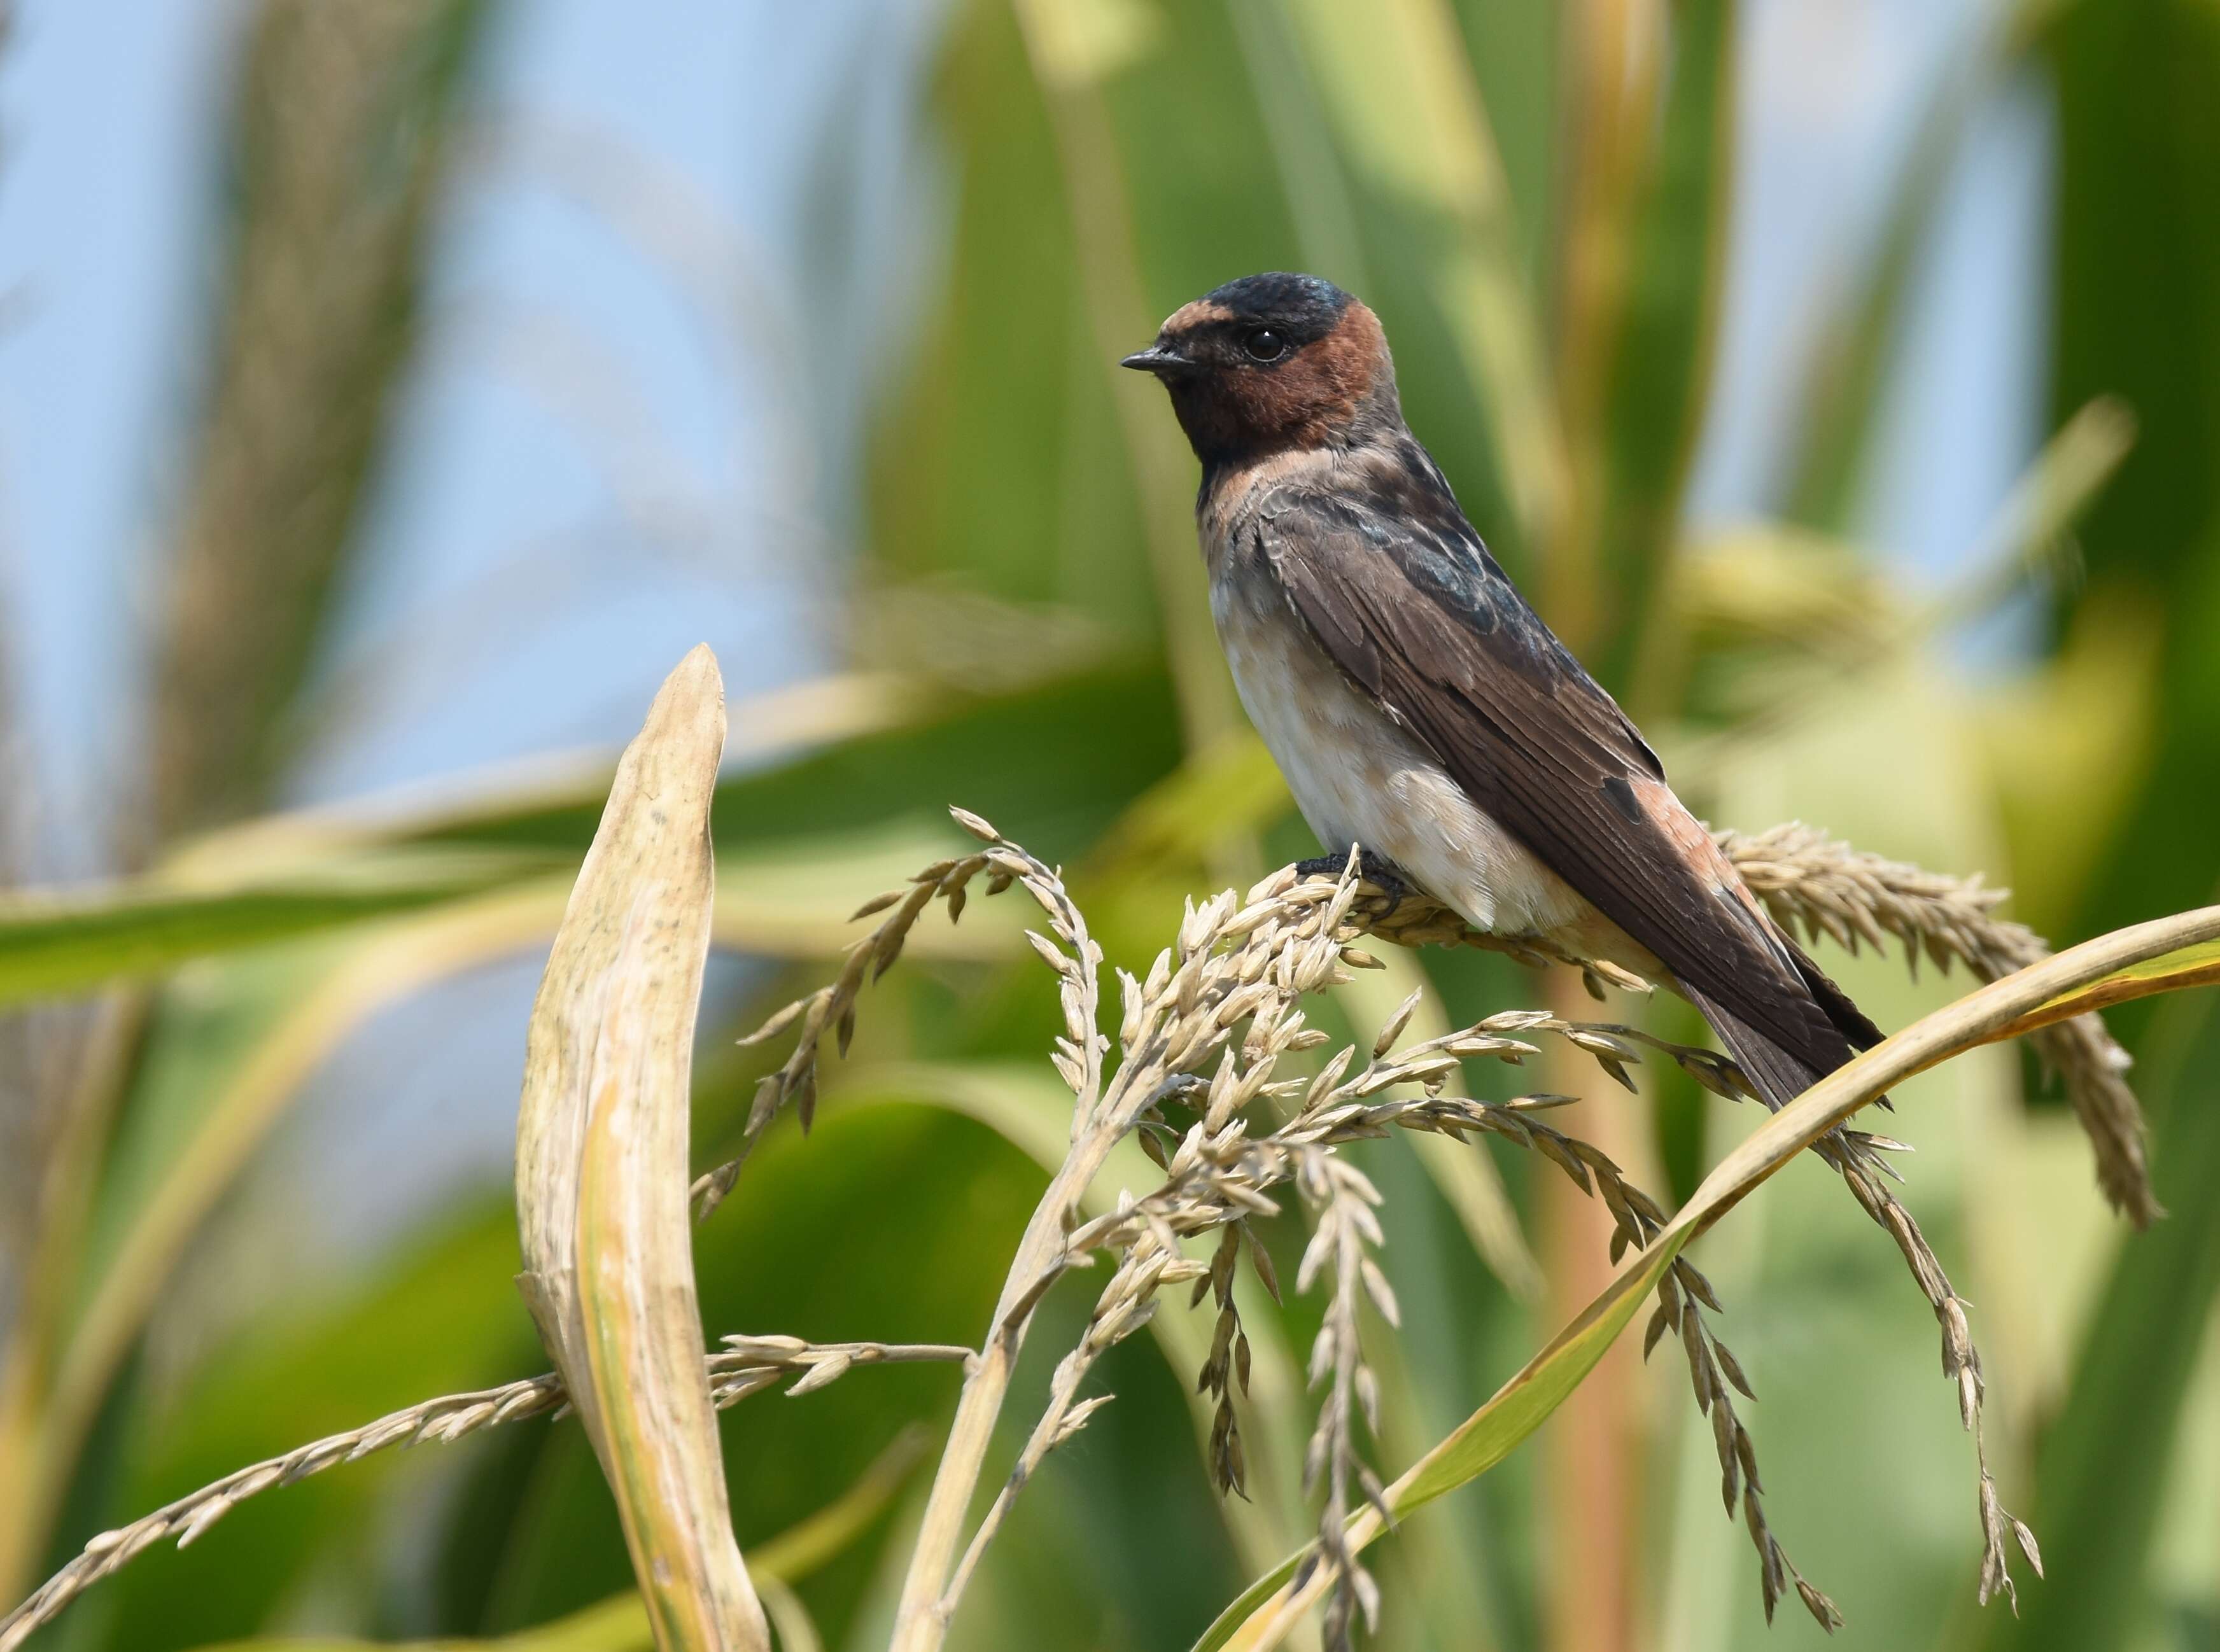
point(1271, 363)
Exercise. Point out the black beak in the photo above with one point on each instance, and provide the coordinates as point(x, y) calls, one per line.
point(1158, 359)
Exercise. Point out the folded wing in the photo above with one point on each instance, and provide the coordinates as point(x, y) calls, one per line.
point(1408, 602)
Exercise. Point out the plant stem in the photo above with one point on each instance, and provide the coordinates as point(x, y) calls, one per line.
point(1593, 1498)
point(1101, 218)
point(921, 1618)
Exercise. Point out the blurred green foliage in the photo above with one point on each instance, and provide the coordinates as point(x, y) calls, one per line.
point(1456, 163)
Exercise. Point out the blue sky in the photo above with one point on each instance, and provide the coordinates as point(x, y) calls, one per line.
point(610, 394)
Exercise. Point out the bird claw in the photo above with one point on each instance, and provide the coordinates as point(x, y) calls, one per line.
point(1371, 868)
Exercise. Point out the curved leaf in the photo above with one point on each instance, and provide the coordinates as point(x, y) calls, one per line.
point(1659, 364)
point(53, 945)
point(600, 1170)
point(2189, 966)
point(1432, 142)
point(286, 877)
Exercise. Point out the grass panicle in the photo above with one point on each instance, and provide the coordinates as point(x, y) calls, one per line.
point(1814, 884)
point(746, 1365)
point(1826, 888)
point(1342, 1202)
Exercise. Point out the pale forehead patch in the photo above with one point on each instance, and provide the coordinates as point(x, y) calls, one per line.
point(1202, 313)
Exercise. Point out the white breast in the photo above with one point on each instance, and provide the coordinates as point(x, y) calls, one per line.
point(1358, 777)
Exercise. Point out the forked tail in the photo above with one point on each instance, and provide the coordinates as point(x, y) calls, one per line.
point(1781, 1075)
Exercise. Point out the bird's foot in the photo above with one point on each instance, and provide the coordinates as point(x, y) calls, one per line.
point(1373, 869)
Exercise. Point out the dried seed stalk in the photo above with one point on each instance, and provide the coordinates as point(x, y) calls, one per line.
point(1857, 1162)
point(1079, 1052)
point(1228, 967)
point(1807, 878)
point(1228, 1361)
point(1343, 1200)
point(1812, 882)
point(1222, 1173)
point(747, 1365)
point(1249, 966)
point(1128, 1302)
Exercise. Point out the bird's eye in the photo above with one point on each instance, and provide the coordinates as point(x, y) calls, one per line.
point(1265, 345)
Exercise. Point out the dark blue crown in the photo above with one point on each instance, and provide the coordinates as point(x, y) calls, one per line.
point(1304, 306)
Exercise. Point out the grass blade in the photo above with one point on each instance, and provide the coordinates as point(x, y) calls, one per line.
point(1399, 86)
point(56, 945)
point(1071, 47)
point(1658, 376)
point(283, 877)
point(341, 136)
point(2189, 966)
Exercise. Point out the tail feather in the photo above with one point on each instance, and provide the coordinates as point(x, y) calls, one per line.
point(1853, 1023)
point(1779, 1075)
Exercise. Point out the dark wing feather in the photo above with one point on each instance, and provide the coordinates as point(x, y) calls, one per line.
point(1408, 602)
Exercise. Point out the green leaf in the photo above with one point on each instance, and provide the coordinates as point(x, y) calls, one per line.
point(2189, 966)
point(1018, 759)
point(1400, 87)
point(441, 1317)
point(1051, 765)
point(994, 467)
point(1659, 373)
point(2135, 265)
point(223, 1064)
point(51, 945)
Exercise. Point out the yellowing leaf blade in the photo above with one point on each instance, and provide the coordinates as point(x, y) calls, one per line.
point(601, 1170)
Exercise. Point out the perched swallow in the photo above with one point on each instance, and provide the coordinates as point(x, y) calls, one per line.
point(1419, 708)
